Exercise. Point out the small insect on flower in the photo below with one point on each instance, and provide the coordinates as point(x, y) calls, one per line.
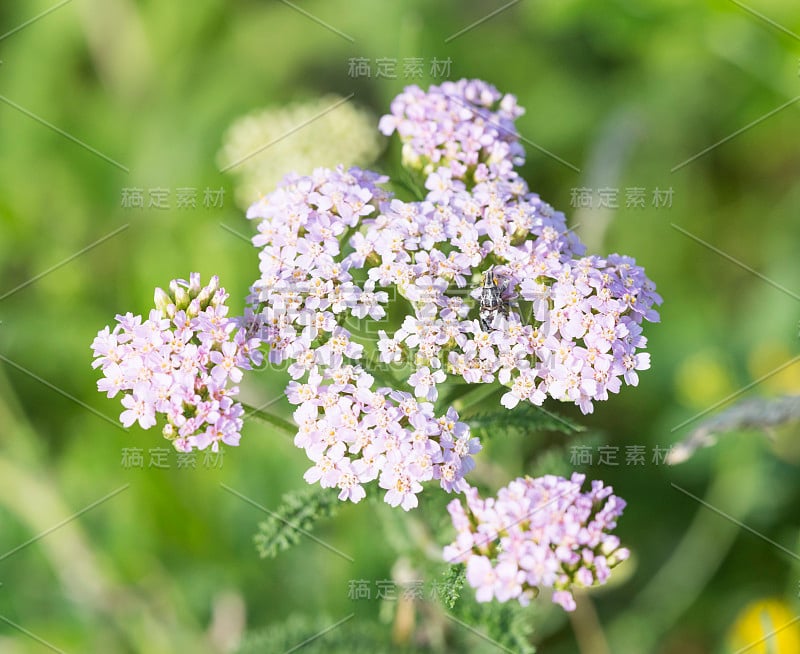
point(492, 301)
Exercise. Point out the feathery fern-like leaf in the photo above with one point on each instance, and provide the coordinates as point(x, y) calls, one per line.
point(295, 517)
point(524, 418)
point(450, 587)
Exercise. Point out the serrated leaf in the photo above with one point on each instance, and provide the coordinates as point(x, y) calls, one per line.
point(295, 517)
point(352, 634)
point(452, 582)
point(508, 624)
point(348, 635)
point(524, 418)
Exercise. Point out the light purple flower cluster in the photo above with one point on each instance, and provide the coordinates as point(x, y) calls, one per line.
point(354, 433)
point(537, 533)
point(486, 284)
point(182, 362)
point(571, 329)
point(335, 247)
point(465, 126)
point(306, 289)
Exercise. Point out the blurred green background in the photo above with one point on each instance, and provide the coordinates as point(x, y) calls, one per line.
point(624, 91)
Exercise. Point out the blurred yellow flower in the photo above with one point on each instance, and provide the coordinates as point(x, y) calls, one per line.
point(766, 626)
point(765, 358)
point(702, 379)
point(261, 147)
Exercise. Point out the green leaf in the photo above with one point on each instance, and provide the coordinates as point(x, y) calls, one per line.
point(403, 179)
point(295, 517)
point(347, 635)
point(525, 418)
point(452, 582)
point(510, 624)
point(354, 634)
point(507, 624)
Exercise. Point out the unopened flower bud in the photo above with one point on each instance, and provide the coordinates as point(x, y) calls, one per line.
point(194, 283)
point(181, 297)
point(162, 300)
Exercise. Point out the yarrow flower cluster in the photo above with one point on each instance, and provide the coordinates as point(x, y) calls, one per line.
point(572, 326)
point(571, 330)
point(537, 533)
point(336, 246)
point(182, 362)
point(466, 126)
point(356, 435)
point(373, 303)
point(352, 430)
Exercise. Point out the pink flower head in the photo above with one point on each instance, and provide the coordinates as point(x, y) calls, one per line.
point(537, 533)
point(179, 363)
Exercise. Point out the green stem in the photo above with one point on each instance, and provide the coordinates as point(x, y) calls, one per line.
point(466, 403)
point(271, 419)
